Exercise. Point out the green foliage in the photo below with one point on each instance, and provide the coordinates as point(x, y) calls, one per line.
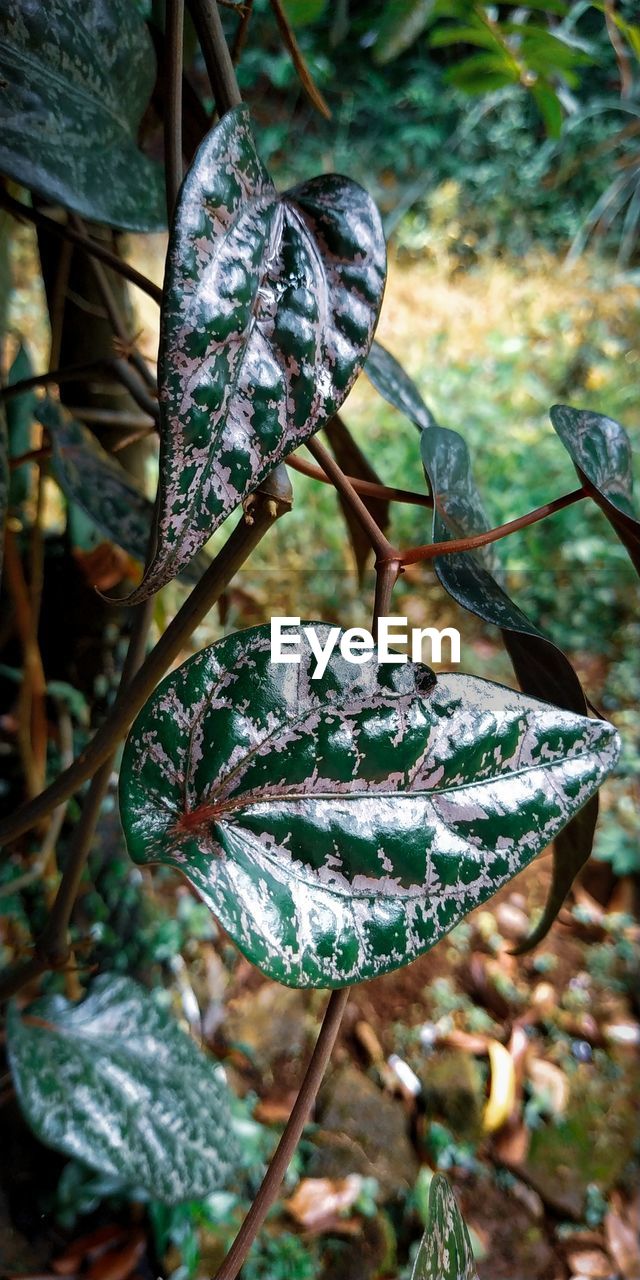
point(73, 95)
point(114, 1082)
point(270, 307)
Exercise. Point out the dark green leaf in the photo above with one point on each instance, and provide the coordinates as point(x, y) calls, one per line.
point(20, 411)
point(402, 22)
point(91, 477)
point(541, 667)
point(354, 463)
point(74, 83)
point(303, 12)
point(483, 71)
point(549, 106)
point(270, 306)
point(114, 1082)
point(600, 450)
point(445, 1251)
point(394, 385)
point(340, 826)
point(480, 35)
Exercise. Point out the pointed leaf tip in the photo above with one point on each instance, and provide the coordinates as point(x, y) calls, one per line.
point(269, 310)
point(339, 827)
point(445, 1251)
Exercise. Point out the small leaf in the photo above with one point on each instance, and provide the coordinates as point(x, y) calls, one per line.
point(91, 477)
point(338, 827)
point(388, 377)
point(541, 667)
point(445, 1251)
point(114, 1082)
point(354, 463)
point(549, 106)
point(75, 82)
point(303, 12)
point(600, 450)
point(402, 22)
point(270, 306)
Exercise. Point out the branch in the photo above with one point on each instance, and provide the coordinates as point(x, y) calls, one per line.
point(311, 89)
point(380, 544)
point(286, 1147)
point(271, 501)
point(456, 545)
point(84, 241)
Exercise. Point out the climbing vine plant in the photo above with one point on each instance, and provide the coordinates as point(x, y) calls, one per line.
point(337, 825)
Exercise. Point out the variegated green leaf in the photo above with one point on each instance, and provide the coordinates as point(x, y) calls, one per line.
point(542, 669)
point(75, 80)
point(269, 311)
point(601, 453)
point(394, 385)
point(92, 478)
point(114, 1082)
point(445, 1251)
point(339, 826)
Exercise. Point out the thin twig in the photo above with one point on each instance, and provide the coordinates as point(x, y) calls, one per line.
point(265, 509)
point(215, 52)
point(241, 33)
point(299, 61)
point(458, 545)
point(74, 236)
point(366, 488)
point(173, 165)
point(380, 544)
point(73, 373)
point(286, 1147)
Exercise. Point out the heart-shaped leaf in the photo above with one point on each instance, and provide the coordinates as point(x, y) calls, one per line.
point(600, 450)
point(339, 826)
point(75, 82)
point(269, 311)
point(542, 669)
point(114, 1082)
point(108, 495)
point(388, 377)
point(445, 1251)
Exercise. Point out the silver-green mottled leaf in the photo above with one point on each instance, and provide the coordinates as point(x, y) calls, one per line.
point(394, 385)
point(75, 80)
point(445, 1251)
point(108, 495)
point(601, 453)
point(114, 1082)
point(338, 827)
point(542, 669)
point(269, 310)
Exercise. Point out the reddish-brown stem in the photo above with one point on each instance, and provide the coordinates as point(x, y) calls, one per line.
point(457, 545)
point(366, 488)
point(34, 455)
point(84, 241)
point(286, 1147)
point(381, 545)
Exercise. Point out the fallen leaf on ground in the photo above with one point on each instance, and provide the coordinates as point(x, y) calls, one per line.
point(317, 1201)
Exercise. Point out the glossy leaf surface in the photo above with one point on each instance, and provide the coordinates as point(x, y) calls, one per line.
point(541, 667)
point(445, 1251)
point(394, 385)
point(76, 80)
point(270, 306)
point(92, 478)
point(114, 1082)
point(338, 827)
point(601, 453)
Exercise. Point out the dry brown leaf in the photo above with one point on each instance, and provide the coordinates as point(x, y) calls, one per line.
point(591, 1263)
point(317, 1201)
point(550, 1081)
point(623, 1243)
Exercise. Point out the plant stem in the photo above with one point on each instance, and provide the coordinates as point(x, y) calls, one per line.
point(457, 545)
point(220, 68)
point(286, 1147)
point(80, 238)
point(380, 544)
point(73, 373)
point(268, 504)
point(366, 488)
point(174, 25)
point(241, 33)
